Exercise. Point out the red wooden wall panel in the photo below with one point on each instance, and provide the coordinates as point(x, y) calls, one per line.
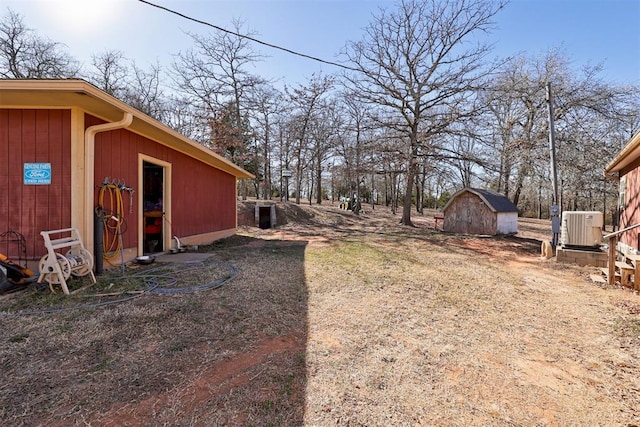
point(45, 149)
point(4, 165)
point(63, 133)
point(15, 188)
point(116, 160)
point(41, 136)
point(203, 196)
point(631, 213)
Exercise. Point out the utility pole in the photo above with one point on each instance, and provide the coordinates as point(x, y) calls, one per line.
point(286, 174)
point(555, 208)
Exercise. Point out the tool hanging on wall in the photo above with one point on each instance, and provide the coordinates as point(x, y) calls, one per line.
point(121, 185)
point(131, 191)
point(111, 200)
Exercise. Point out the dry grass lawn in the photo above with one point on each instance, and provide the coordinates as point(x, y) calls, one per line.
point(332, 319)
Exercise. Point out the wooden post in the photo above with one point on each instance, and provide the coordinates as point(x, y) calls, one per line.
point(613, 241)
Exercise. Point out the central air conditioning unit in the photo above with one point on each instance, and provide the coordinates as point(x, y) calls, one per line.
point(581, 228)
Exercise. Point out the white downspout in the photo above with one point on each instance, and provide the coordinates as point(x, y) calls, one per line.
point(89, 168)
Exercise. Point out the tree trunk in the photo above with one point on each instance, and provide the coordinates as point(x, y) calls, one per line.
point(319, 183)
point(298, 184)
point(411, 176)
point(386, 190)
point(406, 205)
point(373, 191)
point(418, 196)
point(516, 195)
point(539, 202)
point(310, 185)
point(243, 189)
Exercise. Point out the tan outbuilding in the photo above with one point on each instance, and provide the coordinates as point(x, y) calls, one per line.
point(477, 211)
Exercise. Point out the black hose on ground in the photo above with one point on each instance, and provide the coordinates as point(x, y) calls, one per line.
point(157, 283)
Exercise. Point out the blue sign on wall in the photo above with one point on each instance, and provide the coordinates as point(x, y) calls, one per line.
point(37, 173)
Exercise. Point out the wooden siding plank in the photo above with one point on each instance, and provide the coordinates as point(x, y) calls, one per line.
point(60, 155)
point(43, 153)
point(129, 164)
point(64, 198)
point(14, 169)
point(4, 167)
point(26, 221)
point(55, 142)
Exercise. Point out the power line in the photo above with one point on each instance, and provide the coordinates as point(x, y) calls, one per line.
point(273, 46)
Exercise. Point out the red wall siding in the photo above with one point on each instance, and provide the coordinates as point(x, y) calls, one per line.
point(203, 196)
point(631, 212)
point(28, 136)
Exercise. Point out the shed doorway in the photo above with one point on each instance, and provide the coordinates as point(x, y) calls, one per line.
point(153, 196)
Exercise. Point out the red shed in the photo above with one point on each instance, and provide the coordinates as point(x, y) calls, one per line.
point(65, 146)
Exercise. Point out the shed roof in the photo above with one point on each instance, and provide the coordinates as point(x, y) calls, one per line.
point(495, 201)
point(625, 157)
point(69, 93)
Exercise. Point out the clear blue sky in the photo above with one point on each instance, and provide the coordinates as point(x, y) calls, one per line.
point(589, 31)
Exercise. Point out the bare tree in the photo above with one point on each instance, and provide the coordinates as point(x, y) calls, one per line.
point(306, 102)
point(389, 156)
point(144, 91)
point(110, 72)
point(504, 110)
point(215, 72)
point(181, 115)
point(25, 55)
point(517, 156)
point(415, 61)
point(266, 106)
point(356, 144)
point(464, 163)
point(285, 153)
point(324, 132)
point(215, 75)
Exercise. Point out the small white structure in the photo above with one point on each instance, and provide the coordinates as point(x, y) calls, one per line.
point(477, 211)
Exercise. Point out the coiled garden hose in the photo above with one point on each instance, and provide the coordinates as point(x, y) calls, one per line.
point(158, 281)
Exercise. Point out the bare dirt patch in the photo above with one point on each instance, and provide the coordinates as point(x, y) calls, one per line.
point(337, 319)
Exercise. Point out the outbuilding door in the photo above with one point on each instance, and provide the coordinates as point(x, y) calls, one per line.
point(155, 218)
